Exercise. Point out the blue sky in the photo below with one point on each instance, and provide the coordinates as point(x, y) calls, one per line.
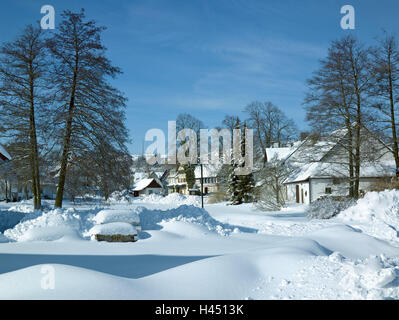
point(210, 58)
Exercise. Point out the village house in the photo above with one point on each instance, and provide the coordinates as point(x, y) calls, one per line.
point(177, 181)
point(146, 183)
point(320, 166)
point(210, 178)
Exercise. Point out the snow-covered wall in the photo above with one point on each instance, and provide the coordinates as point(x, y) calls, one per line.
point(304, 196)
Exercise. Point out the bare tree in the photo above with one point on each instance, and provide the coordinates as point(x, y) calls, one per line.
point(385, 89)
point(270, 125)
point(337, 100)
point(89, 107)
point(23, 95)
point(270, 193)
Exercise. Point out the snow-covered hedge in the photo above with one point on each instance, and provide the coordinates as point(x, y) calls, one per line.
point(328, 207)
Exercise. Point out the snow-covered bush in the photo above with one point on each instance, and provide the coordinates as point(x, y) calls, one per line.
point(120, 196)
point(270, 188)
point(328, 207)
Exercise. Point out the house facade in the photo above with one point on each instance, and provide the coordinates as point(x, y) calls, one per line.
point(210, 178)
point(320, 168)
point(177, 181)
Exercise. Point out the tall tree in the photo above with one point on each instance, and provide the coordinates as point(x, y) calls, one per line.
point(23, 96)
point(246, 182)
point(270, 125)
point(89, 106)
point(337, 99)
point(187, 121)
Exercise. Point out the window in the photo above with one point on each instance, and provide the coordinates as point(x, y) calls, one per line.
point(328, 190)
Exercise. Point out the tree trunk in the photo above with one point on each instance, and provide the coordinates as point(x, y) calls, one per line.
point(6, 191)
point(357, 149)
point(393, 123)
point(33, 144)
point(67, 145)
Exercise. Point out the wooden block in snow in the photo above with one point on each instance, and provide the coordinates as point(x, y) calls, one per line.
point(116, 237)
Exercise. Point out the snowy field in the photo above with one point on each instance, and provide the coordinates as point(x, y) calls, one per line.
point(185, 252)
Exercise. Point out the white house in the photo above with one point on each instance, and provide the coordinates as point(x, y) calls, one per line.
point(321, 167)
point(147, 187)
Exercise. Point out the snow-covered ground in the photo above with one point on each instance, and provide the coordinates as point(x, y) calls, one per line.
point(185, 252)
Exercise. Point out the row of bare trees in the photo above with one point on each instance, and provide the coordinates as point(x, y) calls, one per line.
point(355, 89)
point(57, 102)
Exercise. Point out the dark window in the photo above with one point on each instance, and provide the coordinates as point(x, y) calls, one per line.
point(328, 191)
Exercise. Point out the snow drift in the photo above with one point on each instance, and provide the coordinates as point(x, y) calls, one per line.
point(46, 226)
point(152, 219)
point(58, 223)
point(377, 214)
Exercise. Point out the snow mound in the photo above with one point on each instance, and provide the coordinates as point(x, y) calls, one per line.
point(118, 215)
point(152, 219)
point(377, 214)
point(113, 228)
point(46, 226)
point(370, 277)
point(26, 206)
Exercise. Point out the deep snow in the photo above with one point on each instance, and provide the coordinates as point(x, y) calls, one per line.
point(185, 252)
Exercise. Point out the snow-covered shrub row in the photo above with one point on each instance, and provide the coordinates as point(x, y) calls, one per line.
point(378, 212)
point(328, 207)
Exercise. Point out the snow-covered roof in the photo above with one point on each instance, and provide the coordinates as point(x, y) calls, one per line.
point(142, 184)
point(279, 153)
point(4, 152)
point(335, 170)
